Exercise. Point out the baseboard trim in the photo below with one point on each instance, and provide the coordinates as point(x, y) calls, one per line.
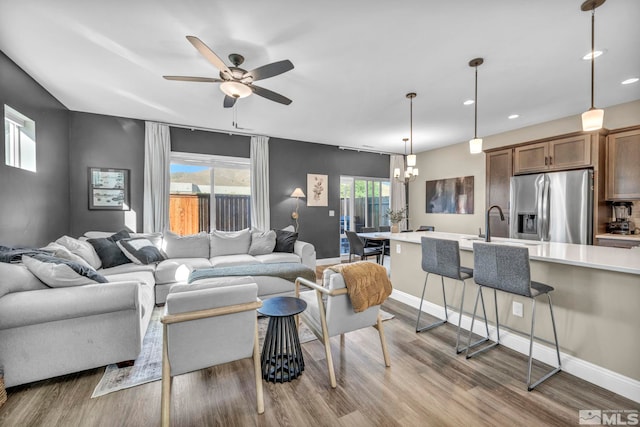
point(605, 378)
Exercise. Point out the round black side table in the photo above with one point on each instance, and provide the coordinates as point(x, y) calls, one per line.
point(281, 353)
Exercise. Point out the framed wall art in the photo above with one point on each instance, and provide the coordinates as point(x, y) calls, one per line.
point(450, 196)
point(317, 190)
point(109, 189)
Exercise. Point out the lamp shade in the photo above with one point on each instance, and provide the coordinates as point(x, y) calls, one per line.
point(475, 145)
point(411, 160)
point(298, 193)
point(235, 89)
point(592, 119)
point(396, 173)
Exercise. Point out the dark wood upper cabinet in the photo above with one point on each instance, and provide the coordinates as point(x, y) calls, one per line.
point(623, 165)
point(499, 172)
point(559, 154)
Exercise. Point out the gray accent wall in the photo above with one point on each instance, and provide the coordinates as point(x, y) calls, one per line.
point(106, 142)
point(34, 206)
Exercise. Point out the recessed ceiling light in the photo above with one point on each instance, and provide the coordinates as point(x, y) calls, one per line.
point(629, 81)
point(596, 53)
point(468, 102)
point(514, 116)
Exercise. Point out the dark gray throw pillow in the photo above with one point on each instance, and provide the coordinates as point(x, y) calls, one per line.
point(108, 251)
point(141, 250)
point(285, 241)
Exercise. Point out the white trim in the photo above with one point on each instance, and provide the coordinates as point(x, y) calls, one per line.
point(605, 378)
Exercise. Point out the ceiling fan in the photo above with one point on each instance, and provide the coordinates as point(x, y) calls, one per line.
point(235, 81)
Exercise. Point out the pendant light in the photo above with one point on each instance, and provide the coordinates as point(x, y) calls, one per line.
point(593, 118)
point(411, 173)
point(475, 144)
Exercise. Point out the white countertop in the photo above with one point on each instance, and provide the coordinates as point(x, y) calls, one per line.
point(598, 257)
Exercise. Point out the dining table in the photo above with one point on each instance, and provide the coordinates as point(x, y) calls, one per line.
point(381, 236)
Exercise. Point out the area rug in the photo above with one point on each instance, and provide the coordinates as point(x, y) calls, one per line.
point(148, 366)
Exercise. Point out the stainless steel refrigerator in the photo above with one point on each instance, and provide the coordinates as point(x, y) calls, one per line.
point(555, 207)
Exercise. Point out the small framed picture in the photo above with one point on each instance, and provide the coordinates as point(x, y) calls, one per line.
point(109, 189)
point(317, 190)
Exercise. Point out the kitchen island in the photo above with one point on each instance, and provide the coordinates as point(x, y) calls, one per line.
point(596, 304)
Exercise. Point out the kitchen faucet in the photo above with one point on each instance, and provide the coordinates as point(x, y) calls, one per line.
point(487, 229)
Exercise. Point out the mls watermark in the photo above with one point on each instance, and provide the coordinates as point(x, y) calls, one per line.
point(609, 417)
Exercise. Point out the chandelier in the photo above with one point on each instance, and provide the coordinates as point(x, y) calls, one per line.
point(411, 172)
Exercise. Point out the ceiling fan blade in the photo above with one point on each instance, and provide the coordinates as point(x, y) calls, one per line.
point(229, 101)
point(194, 79)
point(269, 70)
point(209, 54)
point(270, 95)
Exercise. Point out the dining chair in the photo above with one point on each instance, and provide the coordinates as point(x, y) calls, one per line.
point(357, 247)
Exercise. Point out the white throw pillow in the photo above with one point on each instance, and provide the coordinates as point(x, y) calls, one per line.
point(262, 242)
point(230, 242)
point(190, 246)
point(59, 251)
point(59, 273)
point(81, 248)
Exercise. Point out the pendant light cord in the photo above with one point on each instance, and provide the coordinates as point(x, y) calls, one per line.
point(411, 126)
point(593, 58)
point(475, 120)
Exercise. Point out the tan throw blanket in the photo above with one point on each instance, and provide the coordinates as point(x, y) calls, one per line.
point(367, 283)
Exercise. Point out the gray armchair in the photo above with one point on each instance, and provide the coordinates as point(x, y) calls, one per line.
point(206, 325)
point(329, 313)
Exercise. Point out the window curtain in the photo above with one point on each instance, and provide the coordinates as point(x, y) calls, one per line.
point(157, 160)
point(398, 192)
point(260, 212)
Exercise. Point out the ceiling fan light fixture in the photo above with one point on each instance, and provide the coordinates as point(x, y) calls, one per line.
point(235, 89)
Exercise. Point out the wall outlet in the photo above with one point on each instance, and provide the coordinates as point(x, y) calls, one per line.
point(398, 248)
point(332, 212)
point(517, 309)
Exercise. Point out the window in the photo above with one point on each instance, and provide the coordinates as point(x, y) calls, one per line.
point(363, 203)
point(19, 140)
point(208, 192)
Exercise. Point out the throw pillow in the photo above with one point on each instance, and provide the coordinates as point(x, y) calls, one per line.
point(285, 241)
point(140, 250)
point(59, 251)
point(82, 249)
point(58, 272)
point(190, 246)
point(262, 242)
point(229, 242)
point(108, 251)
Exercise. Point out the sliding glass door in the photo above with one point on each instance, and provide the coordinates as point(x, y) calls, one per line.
point(363, 203)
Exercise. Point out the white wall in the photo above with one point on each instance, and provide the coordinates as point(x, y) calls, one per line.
point(455, 161)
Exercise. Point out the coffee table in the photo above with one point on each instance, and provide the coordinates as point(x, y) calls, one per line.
point(281, 353)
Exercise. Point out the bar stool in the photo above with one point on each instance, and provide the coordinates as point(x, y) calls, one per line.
point(507, 269)
point(442, 257)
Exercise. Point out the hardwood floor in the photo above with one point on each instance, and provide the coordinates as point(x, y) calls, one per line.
point(427, 384)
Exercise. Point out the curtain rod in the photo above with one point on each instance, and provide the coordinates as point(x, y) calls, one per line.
point(230, 132)
point(342, 147)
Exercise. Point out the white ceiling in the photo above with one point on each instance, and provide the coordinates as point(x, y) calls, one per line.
point(354, 62)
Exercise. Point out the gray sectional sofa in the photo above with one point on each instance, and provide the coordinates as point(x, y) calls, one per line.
point(47, 330)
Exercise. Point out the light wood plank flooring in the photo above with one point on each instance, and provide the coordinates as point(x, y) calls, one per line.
point(426, 385)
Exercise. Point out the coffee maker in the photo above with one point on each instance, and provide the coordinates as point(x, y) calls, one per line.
point(622, 223)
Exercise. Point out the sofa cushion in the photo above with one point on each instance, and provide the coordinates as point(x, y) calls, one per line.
point(190, 246)
point(59, 251)
point(285, 241)
point(141, 250)
point(81, 248)
point(145, 277)
point(17, 278)
point(231, 260)
point(108, 250)
point(262, 242)
point(229, 242)
point(178, 269)
point(127, 268)
point(58, 272)
point(277, 257)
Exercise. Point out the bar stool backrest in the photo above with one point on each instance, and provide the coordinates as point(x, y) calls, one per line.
point(502, 267)
point(441, 256)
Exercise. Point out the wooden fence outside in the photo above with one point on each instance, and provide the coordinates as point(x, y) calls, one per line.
point(189, 213)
